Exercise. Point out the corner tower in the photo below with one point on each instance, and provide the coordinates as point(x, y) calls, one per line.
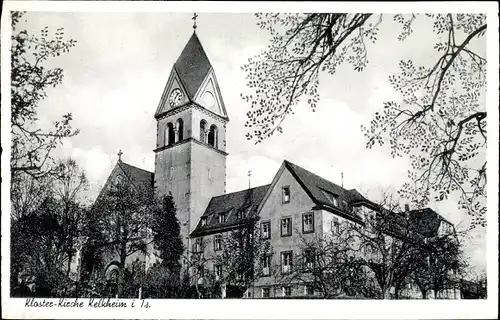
point(190, 154)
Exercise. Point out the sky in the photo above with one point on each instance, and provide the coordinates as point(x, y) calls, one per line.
point(116, 73)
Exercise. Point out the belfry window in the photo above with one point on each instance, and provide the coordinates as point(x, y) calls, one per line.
point(203, 132)
point(179, 128)
point(212, 136)
point(169, 134)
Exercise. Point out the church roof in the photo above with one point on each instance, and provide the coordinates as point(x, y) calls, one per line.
point(245, 201)
point(192, 65)
point(140, 178)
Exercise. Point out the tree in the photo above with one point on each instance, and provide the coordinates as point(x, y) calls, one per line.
point(242, 254)
point(122, 213)
point(163, 280)
point(31, 144)
point(44, 240)
point(235, 266)
point(440, 122)
point(70, 184)
point(328, 264)
point(166, 232)
point(438, 265)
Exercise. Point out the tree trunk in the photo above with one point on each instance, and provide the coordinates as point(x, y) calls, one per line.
point(68, 270)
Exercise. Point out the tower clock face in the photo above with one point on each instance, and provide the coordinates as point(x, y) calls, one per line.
point(175, 98)
point(209, 100)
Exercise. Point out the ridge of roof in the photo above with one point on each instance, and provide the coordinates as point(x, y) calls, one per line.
point(192, 65)
point(241, 191)
point(120, 162)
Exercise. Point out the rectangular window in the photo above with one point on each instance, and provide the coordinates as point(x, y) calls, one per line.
point(266, 266)
point(266, 292)
point(309, 259)
point(286, 227)
point(308, 222)
point(218, 242)
point(266, 230)
point(335, 225)
point(197, 245)
point(203, 221)
point(286, 262)
point(218, 272)
point(309, 290)
point(287, 291)
point(221, 217)
point(286, 194)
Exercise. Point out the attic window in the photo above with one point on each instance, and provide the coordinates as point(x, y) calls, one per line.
point(203, 221)
point(286, 194)
point(221, 218)
point(331, 197)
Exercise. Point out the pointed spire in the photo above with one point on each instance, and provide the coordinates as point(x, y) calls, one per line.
point(192, 65)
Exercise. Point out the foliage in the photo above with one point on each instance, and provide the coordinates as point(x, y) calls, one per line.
point(329, 265)
point(38, 251)
point(161, 283)
point(45, 238)
point(31, 144)
point(167, 240)
point(439, 266)
point(242, 251)
point(440, 122)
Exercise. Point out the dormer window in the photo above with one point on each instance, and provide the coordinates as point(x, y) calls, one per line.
point(333, 198)
point(239, 215)
point(221, 218)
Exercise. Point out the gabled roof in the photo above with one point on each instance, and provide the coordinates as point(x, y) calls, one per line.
point(319, 190)
point(244, 201)
point(192, 66)
point(426, 221)
point(422, 223)
point(140, 178)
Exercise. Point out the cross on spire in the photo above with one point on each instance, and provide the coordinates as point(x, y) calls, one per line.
point(249, 175)
point(120, 155)
point(194, 19)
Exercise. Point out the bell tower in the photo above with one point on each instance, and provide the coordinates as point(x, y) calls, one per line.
point(190, 154)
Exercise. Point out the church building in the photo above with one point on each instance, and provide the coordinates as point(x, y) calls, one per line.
point(190, 163)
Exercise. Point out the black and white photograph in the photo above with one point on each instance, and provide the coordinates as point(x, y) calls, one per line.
point(255, 157)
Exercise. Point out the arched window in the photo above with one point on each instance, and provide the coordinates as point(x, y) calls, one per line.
point(203, 133)
point(169, 134)
point(179, 128)
point(212, 136)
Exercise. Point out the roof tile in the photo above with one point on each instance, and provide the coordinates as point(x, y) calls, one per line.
point(192, 65)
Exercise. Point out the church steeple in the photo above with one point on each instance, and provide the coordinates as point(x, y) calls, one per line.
point(192, 66)
point(190, 154)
